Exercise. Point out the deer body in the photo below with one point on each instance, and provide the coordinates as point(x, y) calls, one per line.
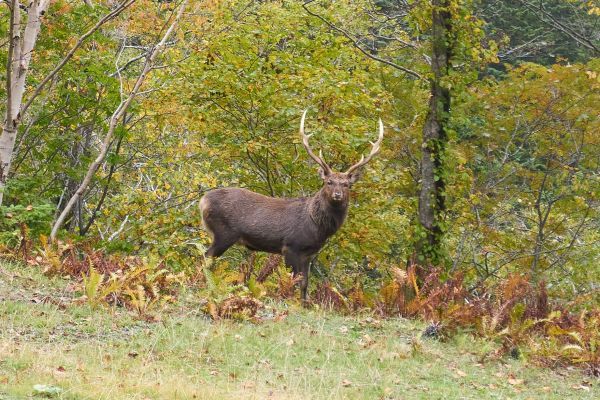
point(297, 228)
point(234, 215)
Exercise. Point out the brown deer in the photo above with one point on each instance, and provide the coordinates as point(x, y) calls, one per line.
point(297, 228)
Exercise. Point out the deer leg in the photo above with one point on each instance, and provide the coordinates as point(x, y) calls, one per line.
point(219, 245)
point(305, 270)
point(300, 266)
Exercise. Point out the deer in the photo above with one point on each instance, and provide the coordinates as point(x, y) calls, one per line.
point(296, 228)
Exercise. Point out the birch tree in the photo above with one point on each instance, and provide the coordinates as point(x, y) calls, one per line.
point(21, 44)
point(23, 35)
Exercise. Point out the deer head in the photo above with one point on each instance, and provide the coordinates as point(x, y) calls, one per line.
point(336, 185)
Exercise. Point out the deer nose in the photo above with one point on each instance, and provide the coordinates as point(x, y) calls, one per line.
point(337, 195)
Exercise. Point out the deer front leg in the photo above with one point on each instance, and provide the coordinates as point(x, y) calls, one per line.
point(300, 264)
point(305, 271)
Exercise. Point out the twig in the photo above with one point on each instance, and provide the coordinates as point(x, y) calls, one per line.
point(357, 44)
point(118, 231)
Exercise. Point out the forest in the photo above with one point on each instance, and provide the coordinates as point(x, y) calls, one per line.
point(473, 224)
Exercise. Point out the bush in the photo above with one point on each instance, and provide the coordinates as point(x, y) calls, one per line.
point(18, 223)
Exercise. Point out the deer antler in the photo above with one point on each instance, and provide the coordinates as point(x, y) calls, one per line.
point(374, 150)
point(318, 159)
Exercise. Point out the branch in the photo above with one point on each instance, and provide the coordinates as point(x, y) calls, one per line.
point(127, 64)
point(117, 115)
point(553, 22)
point(118, 231)
point(111, 171)
point(357, 44)
point(102, 21)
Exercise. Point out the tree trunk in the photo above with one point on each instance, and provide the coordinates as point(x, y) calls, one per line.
point(20, 49)
point(432, 196)
point(79, 149)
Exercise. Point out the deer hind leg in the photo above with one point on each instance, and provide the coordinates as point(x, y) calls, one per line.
point(222, 237)
point(221, 242)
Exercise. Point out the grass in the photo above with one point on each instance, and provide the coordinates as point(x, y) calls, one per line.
point(47, 339)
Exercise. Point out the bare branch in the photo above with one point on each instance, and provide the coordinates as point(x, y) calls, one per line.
point(118, 231)
point(127, 64)
point(356, 43)
point(550, 20)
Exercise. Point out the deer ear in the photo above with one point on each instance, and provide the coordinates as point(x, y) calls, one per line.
point(354, 176)
point(323, 174)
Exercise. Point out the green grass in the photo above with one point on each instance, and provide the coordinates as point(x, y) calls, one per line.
point(105, 353)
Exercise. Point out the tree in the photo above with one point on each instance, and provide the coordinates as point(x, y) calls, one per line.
point(432, 37)
point(22, 39)
point(22, 42)
point(115, 119)
point(531, 147)
point(432, 205)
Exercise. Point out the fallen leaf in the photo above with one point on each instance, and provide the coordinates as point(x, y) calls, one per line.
point(346, 383)
point(460, 373)
point(514, 381)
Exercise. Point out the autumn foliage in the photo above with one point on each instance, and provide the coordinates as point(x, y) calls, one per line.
point(518, 258)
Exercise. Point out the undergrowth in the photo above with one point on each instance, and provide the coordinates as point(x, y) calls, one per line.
point(514, 312)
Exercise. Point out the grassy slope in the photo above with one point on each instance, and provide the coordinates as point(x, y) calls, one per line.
point(107, 354)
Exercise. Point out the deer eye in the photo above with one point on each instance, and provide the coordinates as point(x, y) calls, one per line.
point(329, 182)
point(345, 185)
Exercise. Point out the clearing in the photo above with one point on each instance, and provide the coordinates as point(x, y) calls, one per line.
point(53, 347)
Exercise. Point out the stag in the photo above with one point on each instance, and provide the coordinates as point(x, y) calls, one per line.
point(297, 228)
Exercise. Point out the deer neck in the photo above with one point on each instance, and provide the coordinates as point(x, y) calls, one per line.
point(327, 216)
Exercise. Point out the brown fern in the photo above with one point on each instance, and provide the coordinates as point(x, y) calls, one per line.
point(273, 261)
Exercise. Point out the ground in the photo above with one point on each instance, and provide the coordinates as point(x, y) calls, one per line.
point(53, 347)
